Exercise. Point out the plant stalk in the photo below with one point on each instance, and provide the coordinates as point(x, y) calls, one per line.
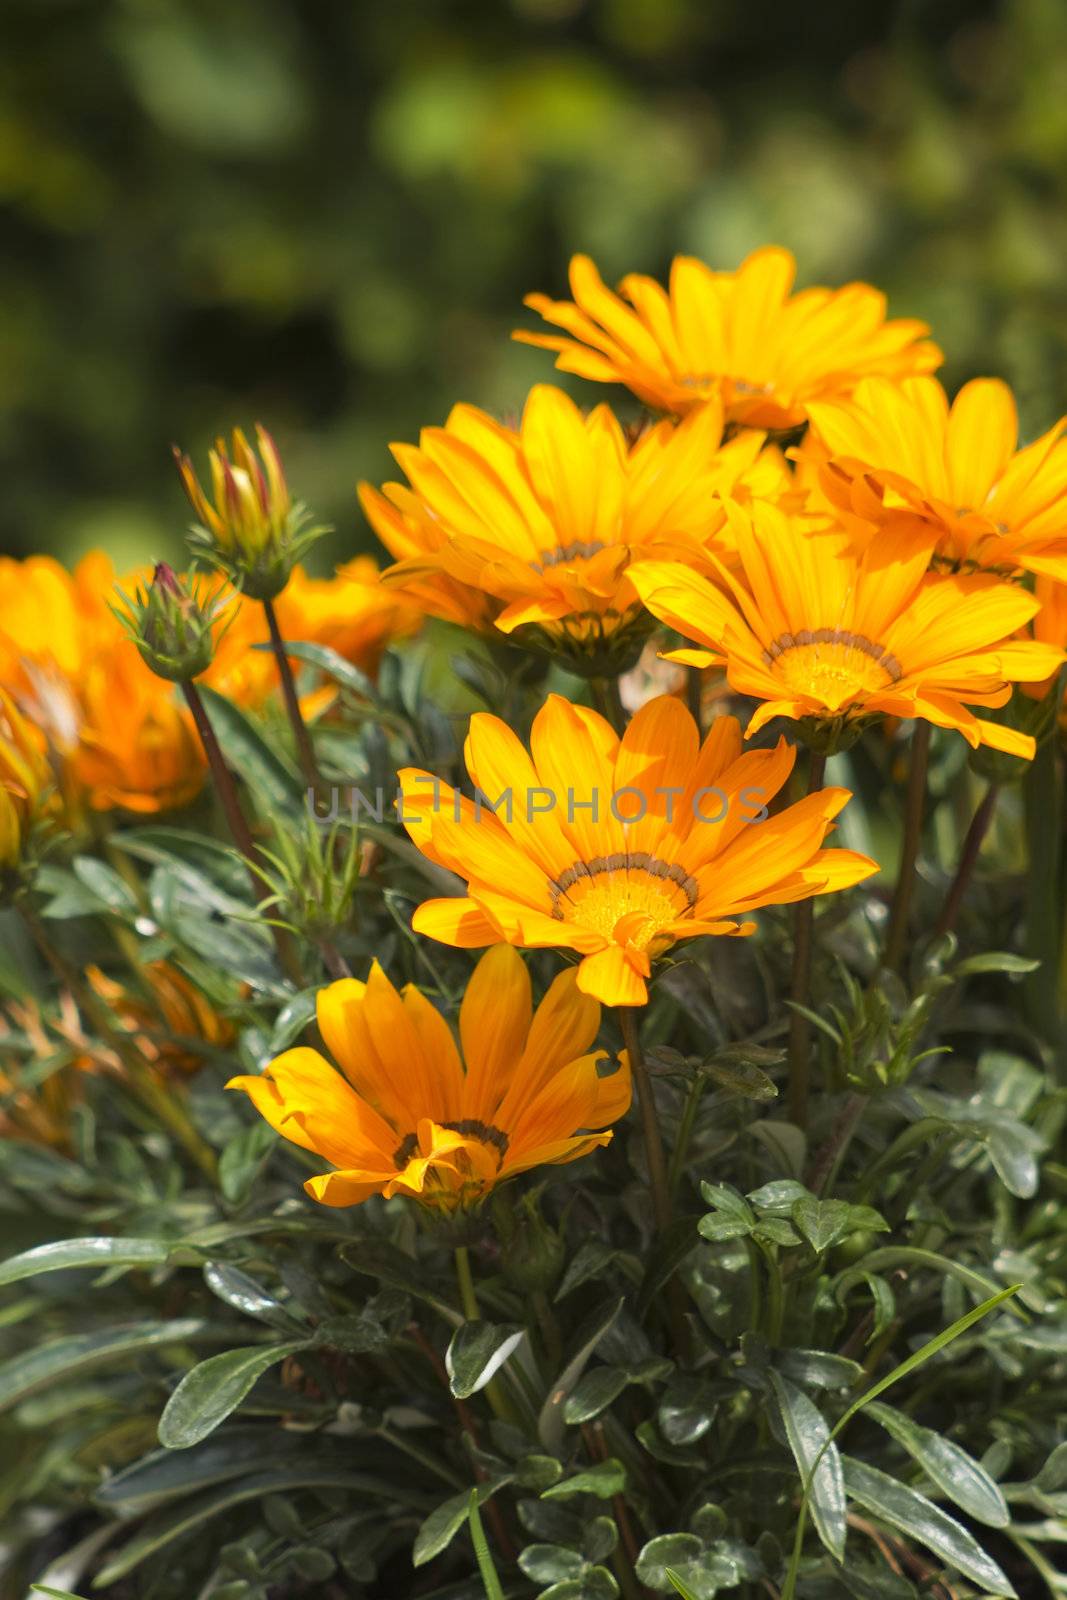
point(915, 806)
point(972, 847)
point(304, 747)
point(799, 1026)
point(237, 823)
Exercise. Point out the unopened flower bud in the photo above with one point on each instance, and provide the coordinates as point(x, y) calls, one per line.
point(533, 1251)
point(248, 527)
point(172, 624)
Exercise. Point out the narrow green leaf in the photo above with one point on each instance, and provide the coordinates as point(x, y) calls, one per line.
point(275, 786)
point(919, 1518)
point(445, 1521)
point(952, 1469)
point(207, 1395)
point(817, 1460)
point(606, 1479)
point(482, 1553)
point(71, 1356)
point(931, 1348)
point(54, 1594)
point(95, 1252)
point(476, 1353)
point(550, 1422)
point(679, 1586)
point(179, 1521)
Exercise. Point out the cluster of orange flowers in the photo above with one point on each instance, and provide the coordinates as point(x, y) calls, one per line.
point(817, 520)
point(807, 510)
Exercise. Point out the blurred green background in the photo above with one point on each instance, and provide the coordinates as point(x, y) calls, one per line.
point(323, 213)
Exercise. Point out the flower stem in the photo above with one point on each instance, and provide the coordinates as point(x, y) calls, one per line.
point(972, 846)
point(237, 822)
point(1041, 801)
point(662, 1209)
point(166, 1106)
point(468, 1299)
point(608, 702)
point(304, 747)
point(799, 1026)
point(685, 1133)
point(915, 806)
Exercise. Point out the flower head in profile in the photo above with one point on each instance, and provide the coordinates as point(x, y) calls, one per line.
point(406, 1111)
point(533, 527)
point(115, 731)
point(25, 777)
point(893, 451)
point(830, 634)
point(738, 336)
point(616, 849)
point(247, 526)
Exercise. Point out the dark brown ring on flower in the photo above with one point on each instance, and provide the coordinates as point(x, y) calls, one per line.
point(622, 861)
point(577, 550)
point(851, 641)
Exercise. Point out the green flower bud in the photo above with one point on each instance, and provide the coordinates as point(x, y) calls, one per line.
point(172, 624)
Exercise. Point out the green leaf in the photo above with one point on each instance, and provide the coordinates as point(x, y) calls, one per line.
point(818, 1369)
point(54, 1594)
point(550, 1423)
point(817, 1460)
point(276, 787)
point(236, 1289)
point(679, 1586)
point(920, 1519)
point(825, 1223)
point(660, 1554)
point(593, 1392)
point(914, 1361)
point(180, 1521)
point(334, 665)
point(889, 1256)
point(688, 1409)
point(550, 1563)
point(606, 1479)
point(590, 1260)
point(477, 1352)
point(207, 1395)
point(778, 1197)
point(482, 1554)
point(65, 1254)
point(445, 1521)
point(952, 1469)
point(77, 1353)
point(728, 1202)
point(105, 883)
point(741, 1078)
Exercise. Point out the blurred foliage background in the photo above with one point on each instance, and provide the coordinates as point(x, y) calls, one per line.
point(323, 213)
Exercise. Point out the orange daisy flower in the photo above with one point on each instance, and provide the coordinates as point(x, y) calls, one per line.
point(533, 527)
point(830, 634)
point(411, 1115)
point(740, 336)
point(899, 449)
point(616, 848)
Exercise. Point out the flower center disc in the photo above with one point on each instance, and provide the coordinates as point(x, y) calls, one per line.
point(599, 894)
point(832, 665)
